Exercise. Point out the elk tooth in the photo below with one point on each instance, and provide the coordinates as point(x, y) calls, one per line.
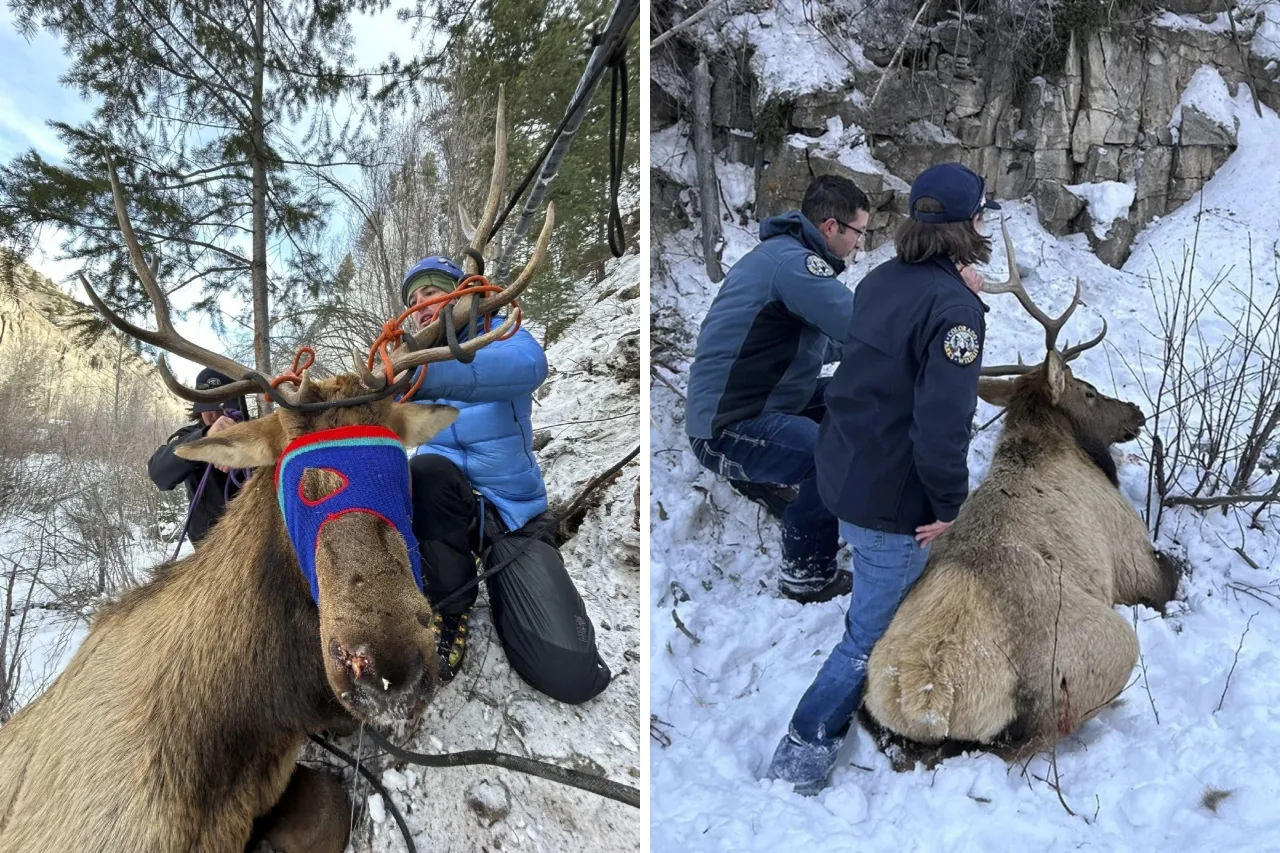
point(386, 685)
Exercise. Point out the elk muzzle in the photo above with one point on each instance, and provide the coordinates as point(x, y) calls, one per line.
point(344, 497)
point(375, 625)
point(1131, 422)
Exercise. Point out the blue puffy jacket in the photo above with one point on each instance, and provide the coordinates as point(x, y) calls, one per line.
point(769, 330)
point(492, 439)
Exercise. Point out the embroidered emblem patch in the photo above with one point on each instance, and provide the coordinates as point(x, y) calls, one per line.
point(817, 266)
point(960, 345)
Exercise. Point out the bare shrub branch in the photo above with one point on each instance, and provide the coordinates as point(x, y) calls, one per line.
point(1234, 661)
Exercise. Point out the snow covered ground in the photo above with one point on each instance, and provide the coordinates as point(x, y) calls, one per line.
point(730, 658)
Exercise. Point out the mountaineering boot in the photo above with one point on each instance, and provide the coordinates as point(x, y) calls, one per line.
point(806, 765)
point(809, 593)
point(773, 498)
point(452, 646)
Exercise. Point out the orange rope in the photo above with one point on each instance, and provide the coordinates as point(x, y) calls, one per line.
point(392, 334)
point(294, 373)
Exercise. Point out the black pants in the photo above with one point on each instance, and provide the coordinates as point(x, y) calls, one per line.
point(539, 615)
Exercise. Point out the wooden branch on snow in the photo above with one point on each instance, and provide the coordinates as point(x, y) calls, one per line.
point(687, 22)
point(1222, 500)
point(1234, 661)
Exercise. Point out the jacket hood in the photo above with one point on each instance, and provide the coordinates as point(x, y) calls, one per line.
point(795, 224)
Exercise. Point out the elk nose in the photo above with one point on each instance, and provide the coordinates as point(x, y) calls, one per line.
point(401, 674)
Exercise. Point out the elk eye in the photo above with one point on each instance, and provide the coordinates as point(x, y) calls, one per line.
point(319, 484)
point(1089, 395)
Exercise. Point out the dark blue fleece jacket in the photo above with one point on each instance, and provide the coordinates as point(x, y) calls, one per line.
point(769, 330)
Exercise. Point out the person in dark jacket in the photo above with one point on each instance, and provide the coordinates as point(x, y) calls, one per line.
point(477, 488)
point(167, 469)
point(893, 449)
point(755, 399)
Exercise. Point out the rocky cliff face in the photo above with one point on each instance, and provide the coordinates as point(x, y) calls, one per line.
point(1119, 127)
point(67, 378)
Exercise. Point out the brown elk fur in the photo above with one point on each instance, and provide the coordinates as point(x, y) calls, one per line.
point(179, 720)
point(313, 814)
point(1010, 637)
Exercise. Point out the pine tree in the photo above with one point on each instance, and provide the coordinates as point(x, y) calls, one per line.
point(538, 51)
point(219, 116)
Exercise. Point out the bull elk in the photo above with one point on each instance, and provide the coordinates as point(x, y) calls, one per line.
point(1009, 640)
point(178, 722)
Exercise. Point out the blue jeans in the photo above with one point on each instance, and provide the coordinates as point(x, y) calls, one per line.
point(885, 567)
point(777, 448)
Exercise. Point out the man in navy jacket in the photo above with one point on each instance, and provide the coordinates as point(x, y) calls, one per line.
point(477, 488)
point(755, 399)
point(893, 449)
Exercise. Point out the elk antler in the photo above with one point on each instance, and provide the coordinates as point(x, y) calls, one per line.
point(480, 234)
point(422, 348)
point(166, 337)
point(1052, 325)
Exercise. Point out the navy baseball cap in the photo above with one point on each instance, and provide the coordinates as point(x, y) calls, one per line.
point(210, 380)
point(961, 191)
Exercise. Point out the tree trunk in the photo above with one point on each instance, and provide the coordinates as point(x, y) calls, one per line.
point(115, 400)
point(708, 189)
point(261, 316)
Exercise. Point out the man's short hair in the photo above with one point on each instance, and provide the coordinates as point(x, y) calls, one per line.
point(833, 197)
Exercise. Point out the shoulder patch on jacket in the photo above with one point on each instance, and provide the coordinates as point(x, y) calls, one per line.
point(960, 345)
point(817, 266)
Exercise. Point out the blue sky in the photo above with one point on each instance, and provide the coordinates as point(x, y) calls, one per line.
point(31, 95)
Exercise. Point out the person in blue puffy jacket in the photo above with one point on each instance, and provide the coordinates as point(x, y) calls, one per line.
point(477, 489)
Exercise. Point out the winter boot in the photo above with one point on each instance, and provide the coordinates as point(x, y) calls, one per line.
point(806, 765)
point(452, 646)
point(806, 592)
point(773, 498)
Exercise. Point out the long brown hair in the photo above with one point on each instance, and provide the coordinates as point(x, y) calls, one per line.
point(918, 241)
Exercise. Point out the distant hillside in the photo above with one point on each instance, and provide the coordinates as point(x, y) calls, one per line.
point(63, 375)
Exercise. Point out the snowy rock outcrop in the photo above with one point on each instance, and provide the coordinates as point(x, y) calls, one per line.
point(1129, 96)
point(65, 377)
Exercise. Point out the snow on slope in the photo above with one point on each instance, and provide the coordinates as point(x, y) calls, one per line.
point(721, 693)
point(773, 37)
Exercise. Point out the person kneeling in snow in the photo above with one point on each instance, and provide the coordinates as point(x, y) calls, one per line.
point(755, 399)
point(476, 487)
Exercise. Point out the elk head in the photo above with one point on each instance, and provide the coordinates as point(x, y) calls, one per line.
point(1096, 419)
point(336, 450)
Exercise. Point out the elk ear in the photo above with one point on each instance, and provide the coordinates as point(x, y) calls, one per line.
point(416, 423)
point(1055, 376)
point(997, 392)
point(252, 444)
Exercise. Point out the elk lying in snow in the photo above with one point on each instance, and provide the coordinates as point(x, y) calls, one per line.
point(1009, 639)
point(179, 720)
